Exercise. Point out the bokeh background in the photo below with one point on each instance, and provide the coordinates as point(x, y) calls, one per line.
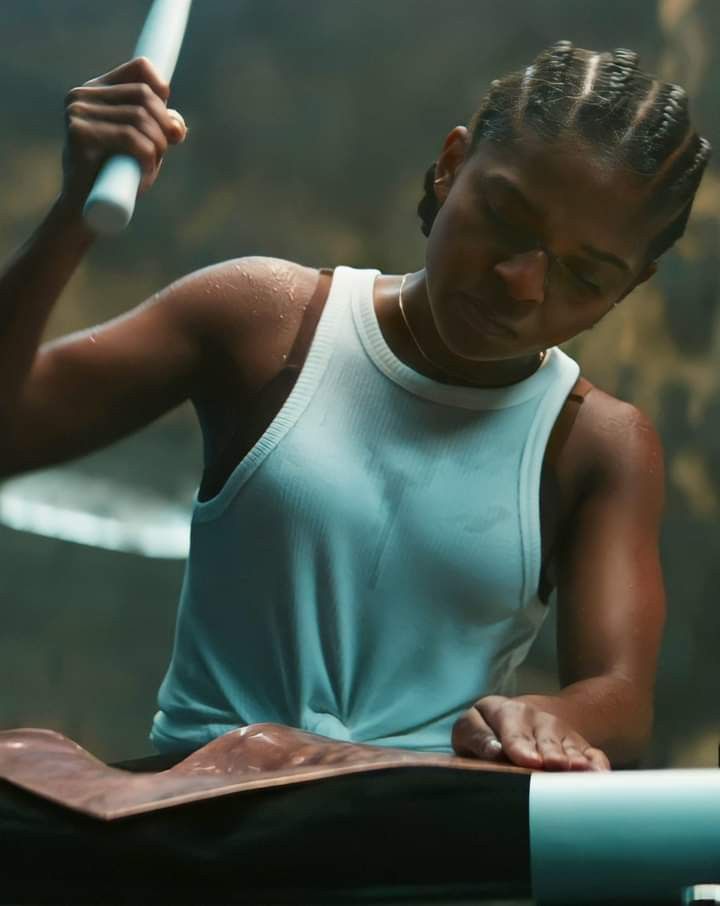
point(311, 126)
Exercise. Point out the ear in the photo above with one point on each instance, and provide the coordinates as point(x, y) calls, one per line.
point(450, 160)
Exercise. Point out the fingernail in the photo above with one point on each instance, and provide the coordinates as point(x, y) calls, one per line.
point(180, 125)
point(493, 746)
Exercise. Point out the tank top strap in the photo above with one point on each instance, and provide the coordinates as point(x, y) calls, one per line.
point(298, 353)
point(566, 420)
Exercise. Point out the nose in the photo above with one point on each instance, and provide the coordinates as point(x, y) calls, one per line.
point(524, 275)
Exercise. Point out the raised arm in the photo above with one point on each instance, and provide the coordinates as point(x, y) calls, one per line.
point(95, 386)
point(79, 393)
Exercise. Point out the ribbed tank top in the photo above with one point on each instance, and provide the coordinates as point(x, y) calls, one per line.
point(371, 566)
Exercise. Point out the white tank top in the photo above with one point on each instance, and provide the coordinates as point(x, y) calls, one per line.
point(371, 566)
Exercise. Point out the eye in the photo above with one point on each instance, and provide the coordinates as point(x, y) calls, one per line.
point(497, 218)
point(493, 214)
point(510, 229)
point(522, 235)
point(584, 281)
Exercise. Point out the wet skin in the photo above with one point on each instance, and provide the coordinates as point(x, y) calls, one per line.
point(219, 335)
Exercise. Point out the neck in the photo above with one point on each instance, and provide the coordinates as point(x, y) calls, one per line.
point(431, 357)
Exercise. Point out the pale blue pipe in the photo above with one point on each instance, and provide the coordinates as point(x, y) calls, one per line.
point(623, 835)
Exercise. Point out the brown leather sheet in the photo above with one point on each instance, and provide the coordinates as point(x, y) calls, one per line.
point(258, 756)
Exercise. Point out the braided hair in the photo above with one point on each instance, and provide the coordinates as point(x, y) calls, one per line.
point(638, 121)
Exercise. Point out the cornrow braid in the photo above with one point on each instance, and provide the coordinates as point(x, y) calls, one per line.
point(674, 111)
point(588, 110)
point(494, 117)
point(702, 156)
point(681, 183)
point(428, 206)
point(615, 88)
point(550, 88)
point(621, 69)
point(558, 62)
point(658, 130)
point(628, 116)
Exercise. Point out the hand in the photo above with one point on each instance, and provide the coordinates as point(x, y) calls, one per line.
point(497, 728)
point(121, 112)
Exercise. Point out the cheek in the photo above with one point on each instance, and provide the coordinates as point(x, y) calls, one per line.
point(460, 221)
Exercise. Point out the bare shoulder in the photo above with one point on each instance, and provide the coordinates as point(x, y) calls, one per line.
point(243, 313)
point(262, 278)
point(243, 294)
point(615, 443)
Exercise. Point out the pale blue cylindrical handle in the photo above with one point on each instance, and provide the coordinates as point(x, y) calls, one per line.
point(111, 202)
point(623, 835)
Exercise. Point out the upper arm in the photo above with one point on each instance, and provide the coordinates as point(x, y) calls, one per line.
point(611, 604)
point(97, 385)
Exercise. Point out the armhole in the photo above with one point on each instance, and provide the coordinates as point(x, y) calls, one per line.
point(269, 399)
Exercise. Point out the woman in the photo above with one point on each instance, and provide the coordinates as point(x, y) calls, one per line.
point(398, 468)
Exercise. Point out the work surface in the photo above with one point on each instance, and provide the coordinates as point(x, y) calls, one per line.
point(260, 756)
point(266, 814)
point(270, 814)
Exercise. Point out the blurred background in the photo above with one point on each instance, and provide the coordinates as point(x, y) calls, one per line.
point(311, 127)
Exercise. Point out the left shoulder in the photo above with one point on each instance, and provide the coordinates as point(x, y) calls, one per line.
point(617, 441)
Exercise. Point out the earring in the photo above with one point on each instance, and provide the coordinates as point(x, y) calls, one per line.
point(439, 179)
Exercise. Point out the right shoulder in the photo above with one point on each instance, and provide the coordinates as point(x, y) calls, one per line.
point(241, 309)
point(243, 294)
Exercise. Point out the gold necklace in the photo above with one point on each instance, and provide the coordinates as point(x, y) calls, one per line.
point(427, 357)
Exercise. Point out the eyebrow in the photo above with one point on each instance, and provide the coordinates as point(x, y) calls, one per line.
point(601, 255)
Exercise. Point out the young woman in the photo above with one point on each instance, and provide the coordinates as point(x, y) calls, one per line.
point(398, 468)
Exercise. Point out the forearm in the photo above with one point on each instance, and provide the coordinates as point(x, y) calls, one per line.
point(31, 281)
point(609, 712)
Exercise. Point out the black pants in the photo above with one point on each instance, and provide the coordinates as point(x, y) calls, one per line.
point(407, 834)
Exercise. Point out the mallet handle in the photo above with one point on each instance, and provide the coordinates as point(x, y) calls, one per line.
point(111, 202)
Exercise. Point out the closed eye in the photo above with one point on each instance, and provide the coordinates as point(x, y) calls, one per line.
point(523, 234)
point(506, 226)
point(584, 281)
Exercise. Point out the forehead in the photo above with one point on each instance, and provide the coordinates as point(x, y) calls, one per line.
point(579, 195)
